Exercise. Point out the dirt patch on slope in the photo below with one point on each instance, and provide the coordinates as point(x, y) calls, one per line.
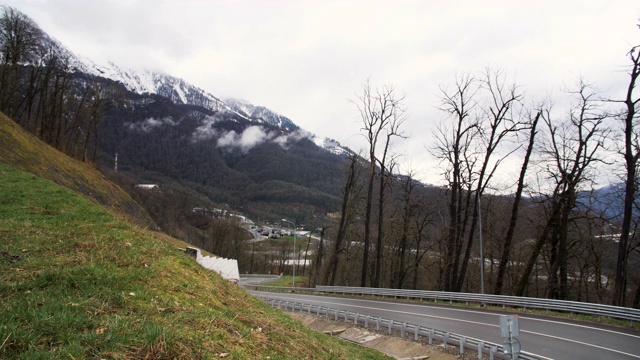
point(390, 345)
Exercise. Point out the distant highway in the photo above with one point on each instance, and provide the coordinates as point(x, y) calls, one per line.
point(554, 338)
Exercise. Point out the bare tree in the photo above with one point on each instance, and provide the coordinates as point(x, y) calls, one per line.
point(570, 150)
point(350, 197)
point(379, 110)
point(631, 153)
point(317, 263)
point(423, 218)
point(19, 39)
point(506, 246)
point(452, 147)
point(409, 209)
point(496, 123)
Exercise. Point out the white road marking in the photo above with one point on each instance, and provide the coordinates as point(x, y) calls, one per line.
point(582, 343)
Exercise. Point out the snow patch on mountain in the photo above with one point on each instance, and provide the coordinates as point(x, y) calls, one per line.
point(146, 82)
point(261, 114)
point(332, 146)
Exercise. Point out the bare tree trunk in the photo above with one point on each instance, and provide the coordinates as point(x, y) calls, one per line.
point(317, 263)
point(506, 249)
point(452, 146)
point(378, 111)
point(524, 279)
point(497, 124)
point(348, 202)
point(631, 156)
point(571, 148)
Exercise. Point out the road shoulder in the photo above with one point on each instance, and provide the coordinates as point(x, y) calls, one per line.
point(390, 345)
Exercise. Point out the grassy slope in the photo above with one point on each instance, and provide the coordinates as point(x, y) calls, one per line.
point(26, 152)
point(77, 281)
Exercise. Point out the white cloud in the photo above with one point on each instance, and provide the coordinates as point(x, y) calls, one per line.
point(205, 131)
point(151, 123)
point(255, 135)
point(247, 140)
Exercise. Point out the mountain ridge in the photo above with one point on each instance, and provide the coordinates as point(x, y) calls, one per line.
point(183, 92)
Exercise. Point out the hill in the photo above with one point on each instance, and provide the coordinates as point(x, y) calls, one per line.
point(78, 281)
point(26, 152)
point(258, 169)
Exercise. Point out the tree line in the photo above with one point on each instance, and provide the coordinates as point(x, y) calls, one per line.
point(549, 235)
point(40, 90)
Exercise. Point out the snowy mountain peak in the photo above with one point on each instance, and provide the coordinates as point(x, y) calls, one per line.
point(152, 82)
point(332, 146)
point(176, 89)
point(261, 114)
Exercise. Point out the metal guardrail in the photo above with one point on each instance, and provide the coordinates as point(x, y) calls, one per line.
point(260, 276)
point(525, 303)
point(403, 329)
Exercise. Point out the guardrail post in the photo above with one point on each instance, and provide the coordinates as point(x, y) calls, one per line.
point(463, 340)
point(492, 350)
point(389, 325)
point(346, 316)
point(445, 338)
point(431, 333)
point(366, 322)
point(378, 323)
point(480, 348)
point(336, 315)
point(309, 310)
point(403, 329)
point(355, 319)
point(416, 332)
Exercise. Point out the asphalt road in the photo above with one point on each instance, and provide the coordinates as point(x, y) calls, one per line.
point(550, 337)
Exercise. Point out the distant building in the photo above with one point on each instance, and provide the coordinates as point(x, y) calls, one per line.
point(147, 186)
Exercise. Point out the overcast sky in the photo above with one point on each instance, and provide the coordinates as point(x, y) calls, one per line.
point(308, 59)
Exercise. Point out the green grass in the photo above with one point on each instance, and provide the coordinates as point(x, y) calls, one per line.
point(287, 281)
point(27, 153)
point(78, 282)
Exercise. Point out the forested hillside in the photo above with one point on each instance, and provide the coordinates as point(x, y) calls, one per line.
point(232, 160)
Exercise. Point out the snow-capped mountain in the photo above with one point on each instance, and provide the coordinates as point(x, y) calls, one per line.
point(332, 146)
point(181, 92)
point(261, 114)
point(141, 82)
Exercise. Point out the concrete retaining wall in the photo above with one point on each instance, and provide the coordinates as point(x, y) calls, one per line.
point(227, 268)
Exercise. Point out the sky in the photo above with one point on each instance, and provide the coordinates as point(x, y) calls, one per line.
point(308, 60)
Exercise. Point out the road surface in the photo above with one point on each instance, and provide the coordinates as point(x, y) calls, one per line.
point(553, 338)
